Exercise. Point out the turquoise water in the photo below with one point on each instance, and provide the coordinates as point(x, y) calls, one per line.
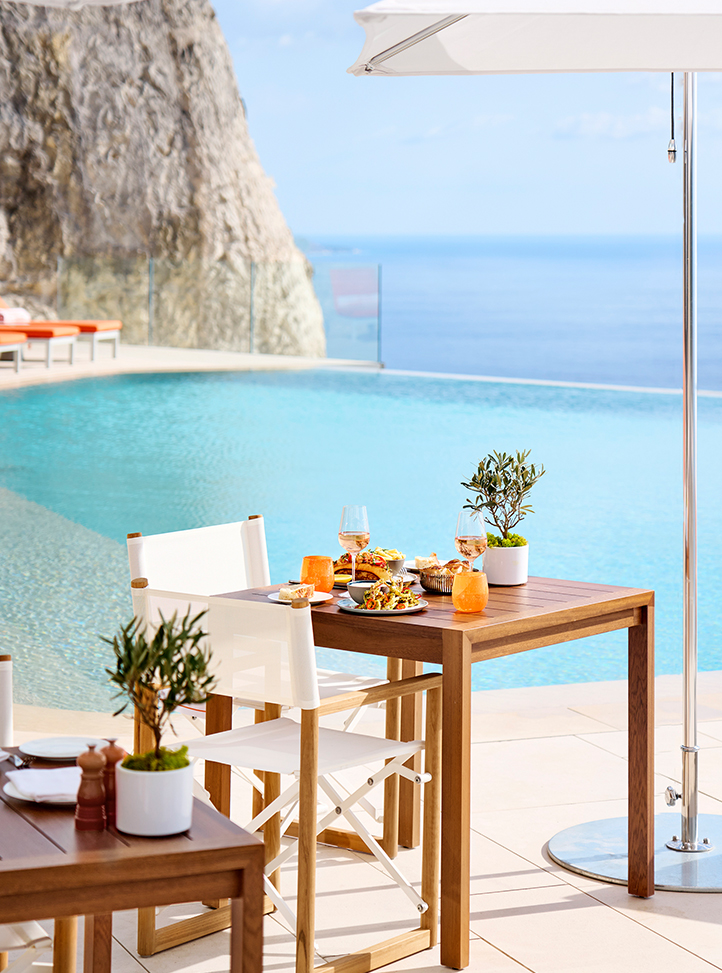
point(83, 463)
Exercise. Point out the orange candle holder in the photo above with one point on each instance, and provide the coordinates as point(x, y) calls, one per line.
point(317, 570)
point(470, 591)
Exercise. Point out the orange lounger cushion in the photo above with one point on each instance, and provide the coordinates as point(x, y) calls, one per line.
point(90, 327)
point(12, 337)
point(47, 329)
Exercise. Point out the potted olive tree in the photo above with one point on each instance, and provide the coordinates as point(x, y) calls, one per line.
point(502, 484)
point(157, 675)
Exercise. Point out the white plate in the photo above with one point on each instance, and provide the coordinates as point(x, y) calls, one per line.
point(346, 605)
point(316, 598)
point(11, 790)
point(59, 748)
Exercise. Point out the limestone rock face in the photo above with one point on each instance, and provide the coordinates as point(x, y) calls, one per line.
point(123, 138)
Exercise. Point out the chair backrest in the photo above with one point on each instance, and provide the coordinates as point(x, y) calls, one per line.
point(6, 701)
point(263, 652)
point(205, 560)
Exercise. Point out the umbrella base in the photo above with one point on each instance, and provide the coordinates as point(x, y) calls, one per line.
point(598, 849)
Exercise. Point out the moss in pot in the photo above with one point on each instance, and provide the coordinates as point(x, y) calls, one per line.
point(157, 675)
point(502, 484)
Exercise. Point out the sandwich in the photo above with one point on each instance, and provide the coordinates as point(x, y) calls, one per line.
point(369, 567)
point(291, 592)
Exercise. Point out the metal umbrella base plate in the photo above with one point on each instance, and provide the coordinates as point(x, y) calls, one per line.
point(598, 849)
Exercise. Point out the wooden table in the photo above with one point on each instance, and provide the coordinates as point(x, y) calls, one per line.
point(50, 870)
point(542, 612)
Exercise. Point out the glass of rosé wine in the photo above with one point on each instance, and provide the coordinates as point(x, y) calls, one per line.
point(353, 534)
point(470, 535)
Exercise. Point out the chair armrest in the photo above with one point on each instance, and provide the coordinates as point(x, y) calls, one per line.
point(378, 694)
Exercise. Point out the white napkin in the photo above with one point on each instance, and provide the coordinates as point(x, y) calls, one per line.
point(3, 755)
point(14, 315)
point(51, 786)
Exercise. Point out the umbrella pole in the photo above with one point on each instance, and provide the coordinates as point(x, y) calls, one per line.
point(689, 839)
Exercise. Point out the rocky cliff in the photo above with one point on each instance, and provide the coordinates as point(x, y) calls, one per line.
point(122, 138)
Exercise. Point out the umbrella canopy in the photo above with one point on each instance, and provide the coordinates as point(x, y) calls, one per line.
point(510, 36)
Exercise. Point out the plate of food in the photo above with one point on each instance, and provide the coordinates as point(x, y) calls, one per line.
point(369, 567)
point(385, 598)
point(290, 592)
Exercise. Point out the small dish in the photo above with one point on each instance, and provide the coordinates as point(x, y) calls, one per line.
point(358, 589)
point(316, 598)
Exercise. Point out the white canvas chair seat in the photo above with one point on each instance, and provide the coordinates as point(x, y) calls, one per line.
point(275, 746)
point(30, 937)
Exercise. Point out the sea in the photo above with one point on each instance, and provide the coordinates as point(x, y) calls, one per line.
point(589, 309)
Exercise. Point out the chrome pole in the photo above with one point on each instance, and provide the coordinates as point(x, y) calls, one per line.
point(689, 826)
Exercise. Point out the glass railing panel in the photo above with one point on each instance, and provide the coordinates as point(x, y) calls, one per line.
point(106, 288)
point(349, 295)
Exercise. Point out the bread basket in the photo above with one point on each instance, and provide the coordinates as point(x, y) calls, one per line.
point(438, 584)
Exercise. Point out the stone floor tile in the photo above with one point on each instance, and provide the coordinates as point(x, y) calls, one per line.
point(689, 919)
point(667, 738)
point(534, 722)
point(668, 709)
point(567, 930)
point(539, 772)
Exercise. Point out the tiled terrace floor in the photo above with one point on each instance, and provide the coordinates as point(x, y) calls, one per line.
point(543, 760)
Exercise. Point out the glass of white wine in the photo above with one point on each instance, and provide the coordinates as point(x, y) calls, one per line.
point(470, 535)
point(353, 534)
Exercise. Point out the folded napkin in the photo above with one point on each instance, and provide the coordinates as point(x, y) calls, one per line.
point(3, 755)
point(14, 315)
point(51, 786)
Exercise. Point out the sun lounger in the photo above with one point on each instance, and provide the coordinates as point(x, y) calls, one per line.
point(50, 333)
point(12, 343)
point(96, 331)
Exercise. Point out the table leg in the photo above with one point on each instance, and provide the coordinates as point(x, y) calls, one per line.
point(247, 925)
point(98, 943)
point(455, 800)
point(641, 756)
point(410, 793)
point(65, 944)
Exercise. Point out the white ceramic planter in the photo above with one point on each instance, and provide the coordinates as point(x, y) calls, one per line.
point(506, 565)
point(152, 804)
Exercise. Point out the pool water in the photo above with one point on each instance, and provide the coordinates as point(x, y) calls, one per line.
point(86, 462)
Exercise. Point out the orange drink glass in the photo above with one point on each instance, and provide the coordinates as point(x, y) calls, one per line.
point(318, 570)
point(470, 591)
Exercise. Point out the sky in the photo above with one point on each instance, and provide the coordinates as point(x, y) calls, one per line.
point(509, 154)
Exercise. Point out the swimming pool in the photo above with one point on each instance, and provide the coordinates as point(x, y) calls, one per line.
point(85, 462)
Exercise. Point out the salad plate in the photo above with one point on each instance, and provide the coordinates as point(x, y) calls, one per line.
point(347, 605)
point(316, 598)
point(59, 748)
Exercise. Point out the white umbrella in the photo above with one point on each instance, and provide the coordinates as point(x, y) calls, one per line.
point(422, 37)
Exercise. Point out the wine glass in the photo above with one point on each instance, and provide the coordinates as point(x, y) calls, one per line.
point(353, 534)
point(470, 535)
